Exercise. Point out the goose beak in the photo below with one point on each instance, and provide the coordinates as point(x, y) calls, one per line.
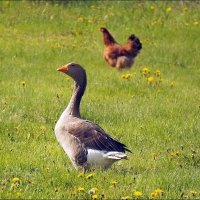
point(63, 68)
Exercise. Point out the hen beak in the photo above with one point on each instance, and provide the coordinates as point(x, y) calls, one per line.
point(63, 68)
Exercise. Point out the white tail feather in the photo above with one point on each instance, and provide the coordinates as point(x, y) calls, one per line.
point(115, 155)
point(103, 159)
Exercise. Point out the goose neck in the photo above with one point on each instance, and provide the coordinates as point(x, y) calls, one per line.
point(73, 107)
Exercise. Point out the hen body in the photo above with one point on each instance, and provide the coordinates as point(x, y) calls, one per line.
point(120, 56)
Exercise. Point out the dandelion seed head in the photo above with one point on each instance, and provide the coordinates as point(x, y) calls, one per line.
point(91, 192)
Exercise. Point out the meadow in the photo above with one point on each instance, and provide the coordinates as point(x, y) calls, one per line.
point(153, 108)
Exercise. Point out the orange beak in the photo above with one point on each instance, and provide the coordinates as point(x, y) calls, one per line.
point(63, 68)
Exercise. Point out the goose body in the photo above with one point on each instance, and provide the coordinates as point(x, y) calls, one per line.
point(87, 145)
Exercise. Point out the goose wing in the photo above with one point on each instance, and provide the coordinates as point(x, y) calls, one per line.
point(94, 137)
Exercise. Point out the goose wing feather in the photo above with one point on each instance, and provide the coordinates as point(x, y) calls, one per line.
point(94, 137)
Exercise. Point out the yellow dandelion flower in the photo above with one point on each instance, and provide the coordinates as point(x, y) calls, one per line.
point(145, 71)
point(153, 195)
point(154, 155)
point(177, 153)
point(15, 180)
point(19, 194)
point(111, 13)
point(56, 190)
point(157, 72)
point(14, 186)
point(80, 18)
point(185, 9)
point(57, 45)
point(168, 9)
point(196, 23)
point(6, 2)
point(126, 76)
point(159, 90)
point(114, 182)
point(172, 84)
point(3, 101)
point(81, 189)
point(80, 175)
point(17, 129)
point(23, 83)
point(186, 24)
point(184, 196)
point(125, 198)
point(123, 76)
point(94, 196)
point(137, 194)
point(193, 193)
point(172, 154)
point(152, 7)
point(90, 21)
point(43, 128)
point(153, 22)
point(89, 176)
point(159, 192)
point(151, 79)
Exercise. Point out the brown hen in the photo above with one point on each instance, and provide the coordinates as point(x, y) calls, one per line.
point(120, 56)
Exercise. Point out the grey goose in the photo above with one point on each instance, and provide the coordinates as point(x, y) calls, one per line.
point(87, 145)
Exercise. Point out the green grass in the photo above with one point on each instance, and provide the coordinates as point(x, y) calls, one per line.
point(36, 38)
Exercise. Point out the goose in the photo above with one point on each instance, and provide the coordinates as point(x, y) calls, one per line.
point(87, 145)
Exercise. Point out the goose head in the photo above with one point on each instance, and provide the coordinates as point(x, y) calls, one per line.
point(73, 70)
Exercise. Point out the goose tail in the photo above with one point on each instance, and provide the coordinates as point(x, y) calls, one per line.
point(115, 155)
